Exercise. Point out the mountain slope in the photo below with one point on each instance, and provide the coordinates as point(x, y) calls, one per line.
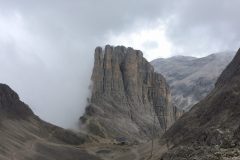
point(24, 136)
point(190, 78)
point(210, 130)
point(126, 96)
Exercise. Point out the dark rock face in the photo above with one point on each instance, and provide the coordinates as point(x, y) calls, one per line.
point(10, 104)
point(192, 79)
point(126, 96)
point(210, 130)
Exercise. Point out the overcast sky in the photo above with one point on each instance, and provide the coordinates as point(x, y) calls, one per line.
point(46, 46)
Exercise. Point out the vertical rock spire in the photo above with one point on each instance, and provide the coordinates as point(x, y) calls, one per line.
point(126, 95)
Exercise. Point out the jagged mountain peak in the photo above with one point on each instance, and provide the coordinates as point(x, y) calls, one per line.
point(125, 92)
point(7, 94)
point(191, 79)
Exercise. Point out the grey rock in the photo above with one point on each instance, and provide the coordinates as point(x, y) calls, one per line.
point(190, 78)
point(126, 96)
point(11, 106)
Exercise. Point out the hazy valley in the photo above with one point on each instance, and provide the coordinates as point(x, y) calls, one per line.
point(119, 80)
point(131, 114)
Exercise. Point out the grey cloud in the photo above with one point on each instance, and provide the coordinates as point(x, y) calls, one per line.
point(49, 64)
point(150, 44)
point(60, 37)
point(201, 27)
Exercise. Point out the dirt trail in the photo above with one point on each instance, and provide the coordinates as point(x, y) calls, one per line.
point(125, 152)
point(29, 146)
point(27, 149)
point(106, 151)
point(133, 154)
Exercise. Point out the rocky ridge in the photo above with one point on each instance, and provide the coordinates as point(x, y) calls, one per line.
point(210, 130)
point(190, 78)
point(127, 95)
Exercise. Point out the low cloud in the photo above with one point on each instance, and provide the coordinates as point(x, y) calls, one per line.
point(46, 47)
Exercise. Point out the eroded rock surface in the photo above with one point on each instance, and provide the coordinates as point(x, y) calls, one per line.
point(126, 96)
point(191, 79)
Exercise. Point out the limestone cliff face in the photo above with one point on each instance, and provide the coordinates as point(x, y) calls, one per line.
point(127, 95)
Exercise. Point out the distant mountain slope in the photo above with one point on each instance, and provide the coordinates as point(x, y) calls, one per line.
point(211, 129)
point(24, 136)
point(190, 78)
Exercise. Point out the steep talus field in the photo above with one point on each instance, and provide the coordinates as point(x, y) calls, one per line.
point(127, 96)
point(211, 129)
point(24, 136)
point(190, 78)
